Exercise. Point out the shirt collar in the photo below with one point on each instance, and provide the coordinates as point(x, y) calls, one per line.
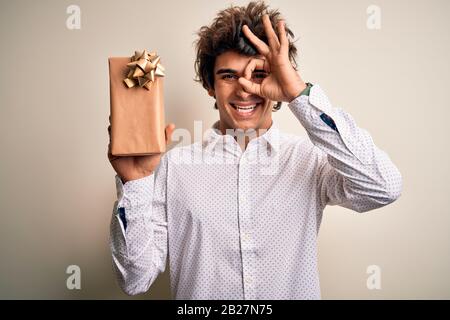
point(271, 138)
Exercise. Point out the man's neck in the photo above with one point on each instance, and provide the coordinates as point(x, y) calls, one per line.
point(244, 136)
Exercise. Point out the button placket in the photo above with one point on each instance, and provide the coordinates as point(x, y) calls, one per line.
point(245, 227)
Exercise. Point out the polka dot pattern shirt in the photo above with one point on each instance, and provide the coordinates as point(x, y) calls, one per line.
point(243, 224)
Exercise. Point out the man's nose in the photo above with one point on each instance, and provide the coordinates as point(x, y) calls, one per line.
point(241, 93)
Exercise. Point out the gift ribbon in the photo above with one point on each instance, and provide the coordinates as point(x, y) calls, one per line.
point(144, 66)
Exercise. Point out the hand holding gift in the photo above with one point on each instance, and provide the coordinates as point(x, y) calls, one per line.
point(136, 131)
point(137, 167)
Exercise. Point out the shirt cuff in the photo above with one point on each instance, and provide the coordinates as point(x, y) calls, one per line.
point(315, 111)
point(311, 107)
point(134, 192)
point(305, 91)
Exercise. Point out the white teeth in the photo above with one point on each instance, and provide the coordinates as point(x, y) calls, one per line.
point(245, 110)
point(246, 107)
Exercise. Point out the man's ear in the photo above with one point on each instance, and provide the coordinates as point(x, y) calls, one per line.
point(211, 93)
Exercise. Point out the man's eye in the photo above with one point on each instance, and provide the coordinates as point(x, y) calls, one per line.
point(259, 75)
point(229, 76)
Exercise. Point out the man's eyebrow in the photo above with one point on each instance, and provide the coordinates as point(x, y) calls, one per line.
point(227, 70)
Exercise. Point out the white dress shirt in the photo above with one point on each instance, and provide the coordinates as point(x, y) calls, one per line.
point(243, 224)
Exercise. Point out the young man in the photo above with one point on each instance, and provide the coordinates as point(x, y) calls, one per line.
point(245, 227)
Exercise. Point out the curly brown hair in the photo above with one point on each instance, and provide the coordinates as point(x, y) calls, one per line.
point(225, 34)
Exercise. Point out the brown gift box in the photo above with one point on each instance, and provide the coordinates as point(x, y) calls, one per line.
point(137, 114)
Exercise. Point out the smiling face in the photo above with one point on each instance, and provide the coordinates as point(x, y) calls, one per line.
point(237, 108)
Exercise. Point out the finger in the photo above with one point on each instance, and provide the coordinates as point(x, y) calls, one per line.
point(168, 132)
point(271, 35)
point(110, 156)
point(284, 43)
point(260, 45)
point(255, 64)
point(250, 86)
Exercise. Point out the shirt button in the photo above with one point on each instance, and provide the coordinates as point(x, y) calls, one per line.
point(248, 280)
point(242, 199)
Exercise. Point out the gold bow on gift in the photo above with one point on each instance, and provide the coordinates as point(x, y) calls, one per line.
point(144, 67)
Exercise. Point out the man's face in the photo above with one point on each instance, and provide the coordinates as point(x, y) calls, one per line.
point(237, 108)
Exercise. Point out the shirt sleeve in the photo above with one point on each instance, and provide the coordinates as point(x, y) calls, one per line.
point(352, 171)
point(138, 232)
